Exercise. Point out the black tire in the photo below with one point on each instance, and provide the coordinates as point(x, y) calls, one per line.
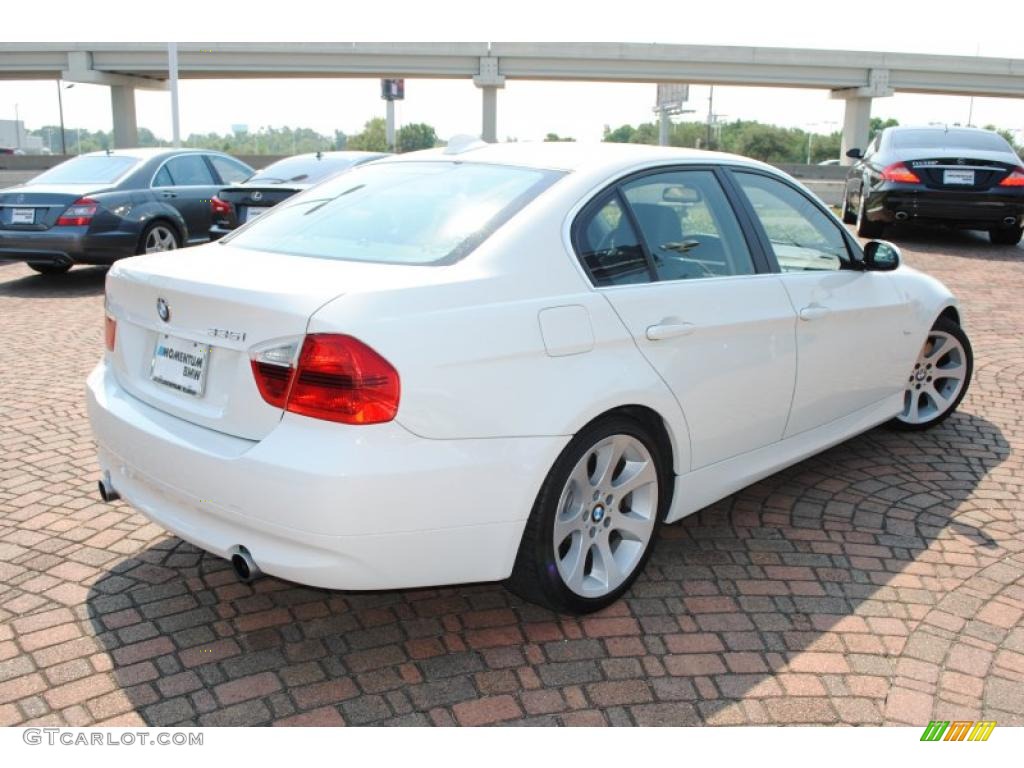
point(849, 217)
point(1006, 235)
point(158, 224)
point(869, 230)
point(953, 329)
point(535, 576)
point(49, 269)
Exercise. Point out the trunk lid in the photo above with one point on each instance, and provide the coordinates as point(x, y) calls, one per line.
point(227, 299)
point(46, 202)
point(973, 170)
point(249, 201)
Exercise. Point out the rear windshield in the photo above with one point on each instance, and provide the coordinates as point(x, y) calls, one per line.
point(951, 139)
point(303, 170)
point(397, 213)
point(89, 169)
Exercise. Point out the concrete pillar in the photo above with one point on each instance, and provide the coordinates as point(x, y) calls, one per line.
point(856, 127)
point(389, 126)
point(122, 103)
point(489, 80)
point(489, 131)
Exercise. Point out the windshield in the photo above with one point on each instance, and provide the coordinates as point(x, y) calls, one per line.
point(305, 169)
point(935, 138)
point(397, 213)
point(88, 169)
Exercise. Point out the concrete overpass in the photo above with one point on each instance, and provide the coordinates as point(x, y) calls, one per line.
point(856, 77)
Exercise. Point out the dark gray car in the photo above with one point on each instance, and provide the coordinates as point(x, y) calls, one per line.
point(103, 206)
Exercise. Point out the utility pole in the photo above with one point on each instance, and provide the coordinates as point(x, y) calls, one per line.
point(60, 106)
point(711, 113)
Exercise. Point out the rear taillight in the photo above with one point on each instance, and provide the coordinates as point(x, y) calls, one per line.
point(336, 378)
point(1015, 179)
point(899, 172)
point(220, 207)
point(109, 332)
point(79, 213)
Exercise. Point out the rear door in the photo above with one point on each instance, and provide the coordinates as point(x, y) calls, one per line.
point(187, 183)
point(850, 333)
point(669, 254)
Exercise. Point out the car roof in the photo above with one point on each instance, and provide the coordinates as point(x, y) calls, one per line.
point(574, 156)
point(942, 128)
point(147, 153)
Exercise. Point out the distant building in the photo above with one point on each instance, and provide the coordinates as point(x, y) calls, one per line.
point(13, 136)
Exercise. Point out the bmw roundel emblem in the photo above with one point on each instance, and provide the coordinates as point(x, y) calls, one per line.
point(163, 310)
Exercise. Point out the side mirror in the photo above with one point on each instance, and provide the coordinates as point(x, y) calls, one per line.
point(854, 153)
point(881, 256)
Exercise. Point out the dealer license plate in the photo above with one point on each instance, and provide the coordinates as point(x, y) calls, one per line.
point(180, 364)
point(23, 216)
point(958, 177)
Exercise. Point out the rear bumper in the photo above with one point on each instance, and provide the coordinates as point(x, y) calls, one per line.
point(981, 210)
point(66, 245)
point(325, 504)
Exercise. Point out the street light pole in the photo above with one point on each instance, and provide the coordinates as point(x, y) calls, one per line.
point(60, 106)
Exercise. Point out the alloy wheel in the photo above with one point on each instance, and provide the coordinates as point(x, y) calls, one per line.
point(938, 377)
point(160, 238)
point(606, 516)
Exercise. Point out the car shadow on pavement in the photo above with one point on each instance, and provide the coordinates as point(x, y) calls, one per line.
point(789, 601)
point(80, 281)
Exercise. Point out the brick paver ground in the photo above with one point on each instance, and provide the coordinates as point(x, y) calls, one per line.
point(881, 582)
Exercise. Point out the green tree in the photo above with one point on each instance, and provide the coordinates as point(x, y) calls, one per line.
point(621, 135)
point(878, 125)
point(416, 136)
point(556, 137)
point(373, 137)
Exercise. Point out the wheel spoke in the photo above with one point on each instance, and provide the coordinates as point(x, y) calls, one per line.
point(608, 457)
point(955, 371)
point(632, 526)
point(911, 412)
point(939, 348)
point(573, 564)
point(635, 476)
point(612, 573)
point(940, 401)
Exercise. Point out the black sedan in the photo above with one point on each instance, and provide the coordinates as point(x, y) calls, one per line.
point(240, 203)
point(966, 178)
point(103, 206)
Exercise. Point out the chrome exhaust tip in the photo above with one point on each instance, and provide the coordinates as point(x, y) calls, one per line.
point(1009, 221)
point(244, 566)
point(106, 488)
point(902, 215)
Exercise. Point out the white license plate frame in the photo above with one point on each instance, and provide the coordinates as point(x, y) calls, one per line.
point(23, 216)
point(254, 212)
point(174, 365)
point(960, 178)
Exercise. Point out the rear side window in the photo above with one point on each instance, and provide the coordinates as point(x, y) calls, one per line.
point(609, 247)
point(190, 171)
point(688, 225)
point(397, 213)
point(89, 169)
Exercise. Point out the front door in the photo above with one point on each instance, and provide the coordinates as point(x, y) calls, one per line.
point(844, 313)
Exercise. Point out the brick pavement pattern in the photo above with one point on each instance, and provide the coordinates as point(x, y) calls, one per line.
point(880, 582)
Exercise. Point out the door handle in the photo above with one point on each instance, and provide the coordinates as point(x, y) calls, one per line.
point(168, 194)
point(814, 312)
point(665, 331)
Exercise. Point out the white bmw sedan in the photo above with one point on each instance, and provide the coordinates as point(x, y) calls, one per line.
point(504, 362)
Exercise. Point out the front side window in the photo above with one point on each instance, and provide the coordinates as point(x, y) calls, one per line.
point(190, 171)
point(688, 225)
point(230, 170)
point(802, 236)
point(609, 247)
point(398, 213)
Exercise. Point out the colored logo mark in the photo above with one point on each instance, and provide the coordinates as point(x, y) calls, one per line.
point(958, 730)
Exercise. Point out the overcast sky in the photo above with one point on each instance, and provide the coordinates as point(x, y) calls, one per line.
point(526, 110)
